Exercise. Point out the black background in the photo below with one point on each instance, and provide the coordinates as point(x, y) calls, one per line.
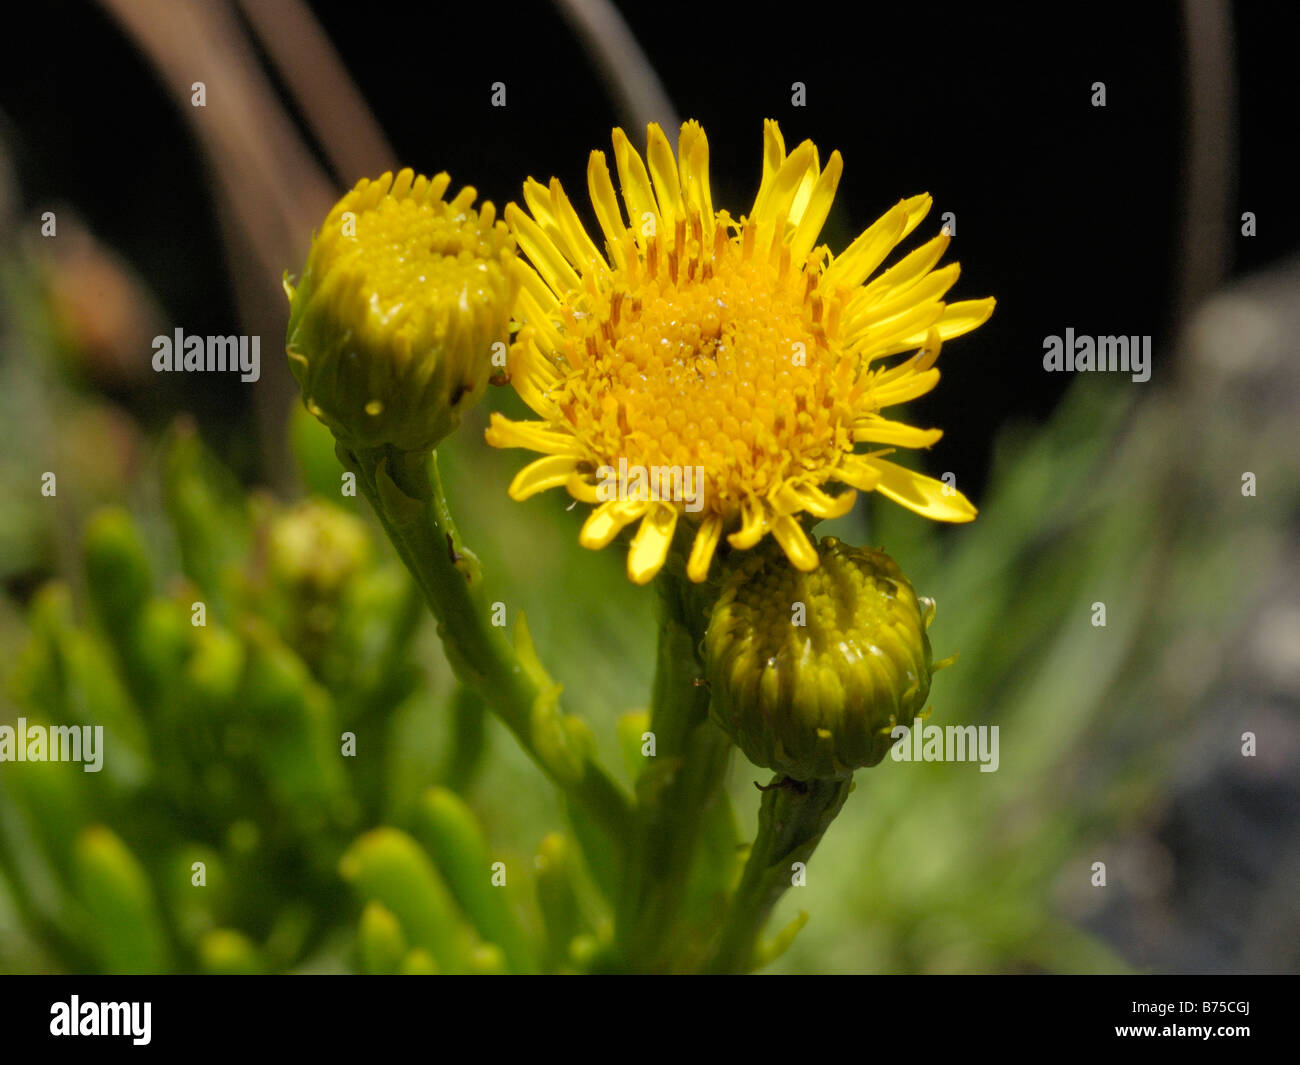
point(1067, 213)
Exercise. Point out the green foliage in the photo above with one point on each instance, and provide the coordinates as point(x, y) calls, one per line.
point(299, 784)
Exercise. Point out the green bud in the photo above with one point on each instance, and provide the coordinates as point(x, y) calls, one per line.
point(297, 741)
point(490, 960)
point(632, 726)
point(125, 932)
point(226, 952)
point(52, 803)
point(215, 669)
point(381, 946)
point(811, 671)
point(117, 572)
point(316, 548)
point(561, 912)
point(389, 866)
point(453, 836)
point(197, 889)
point(209, 511)
point(419, 962)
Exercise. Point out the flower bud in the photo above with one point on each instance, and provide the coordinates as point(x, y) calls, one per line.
point(392, 326)
point(810, 671)
point(316, 548)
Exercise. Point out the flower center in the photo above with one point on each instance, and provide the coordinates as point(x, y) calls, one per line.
point(412, 248)
point(721, 357)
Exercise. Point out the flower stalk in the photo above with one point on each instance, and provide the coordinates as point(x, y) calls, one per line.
point(684, 780)
point(792, 819)
point(406, 492)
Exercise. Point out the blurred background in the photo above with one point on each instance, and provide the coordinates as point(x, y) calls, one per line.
point(1121, 744)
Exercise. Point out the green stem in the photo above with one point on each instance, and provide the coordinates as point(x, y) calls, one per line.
point(792, 819)
point(406, 493)
point(675, 791)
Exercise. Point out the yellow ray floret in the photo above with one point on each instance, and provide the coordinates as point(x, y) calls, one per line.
point(690, 370)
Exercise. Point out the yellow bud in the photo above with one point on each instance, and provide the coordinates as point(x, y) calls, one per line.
point(403, 298)
point(810, 671)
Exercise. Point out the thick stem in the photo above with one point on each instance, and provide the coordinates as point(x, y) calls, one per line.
point(676, 789)
point(406, 493)
point(792, 819)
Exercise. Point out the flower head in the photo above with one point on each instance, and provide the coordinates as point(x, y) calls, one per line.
point(392, 326)
point(738, 350)
point(811, 672)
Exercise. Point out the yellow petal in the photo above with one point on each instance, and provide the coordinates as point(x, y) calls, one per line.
point(539, 313)
point(703, 548)
point(663, 169)
point(819, 206)
point(804, 192)
point(924, 495)
point(875, 429)
point(918, 363)
point(868, 250)
point(917, 207)
point(605, 204)
point(637, 191)
point(586, 490)
point(791, 499)
point(905, 273)
point(538, 476)
point(905, 388)
point(957, 318)
point(773, 157)
point(580, 248)
point(855, 470)
point(774, 212)
point(607, 521)
point(532, 376)
point(753, 524)
point(878, 339)
point(794, 541)
point(693, 162)
point(650, 544)
point(535, 436)
point(931, 289)
point(546, 258)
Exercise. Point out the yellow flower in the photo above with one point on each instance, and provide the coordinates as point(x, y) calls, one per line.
point(738, 349)
point(392, 326)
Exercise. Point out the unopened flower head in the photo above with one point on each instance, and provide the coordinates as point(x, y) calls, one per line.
point(688, 339)
point(317, 547)
point(810, 671)
point(392, 326)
